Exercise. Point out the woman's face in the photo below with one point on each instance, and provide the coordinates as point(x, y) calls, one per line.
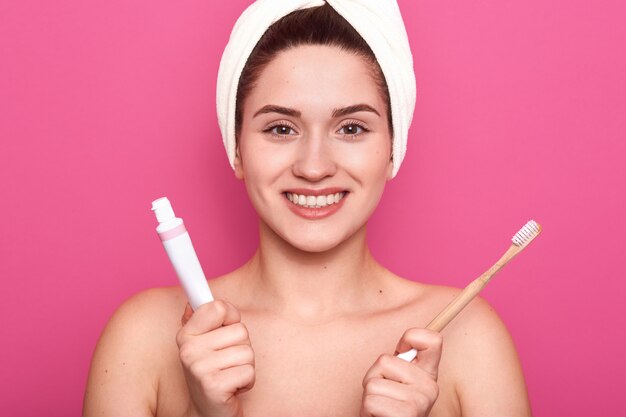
point(300, 136)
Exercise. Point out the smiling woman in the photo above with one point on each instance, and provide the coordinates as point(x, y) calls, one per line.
point(326, 144)
point(311, 325)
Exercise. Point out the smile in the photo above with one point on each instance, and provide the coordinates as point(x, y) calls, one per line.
point(313, 201)
point(315, 207)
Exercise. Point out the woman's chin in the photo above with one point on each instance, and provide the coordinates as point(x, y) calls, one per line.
point(316, 247)
point(314, 238)
point(316, 244)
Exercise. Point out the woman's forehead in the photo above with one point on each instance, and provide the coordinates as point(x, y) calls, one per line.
point(316, 75)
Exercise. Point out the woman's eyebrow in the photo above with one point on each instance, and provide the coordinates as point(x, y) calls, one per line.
point(353, 109)
point(273, 108)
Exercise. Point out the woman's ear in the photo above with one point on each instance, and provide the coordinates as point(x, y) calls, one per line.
point(238, 164)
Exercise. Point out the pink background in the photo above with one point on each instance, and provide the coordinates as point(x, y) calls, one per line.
point(105, 106)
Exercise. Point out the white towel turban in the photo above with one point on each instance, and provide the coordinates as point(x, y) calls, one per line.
point(379, 23)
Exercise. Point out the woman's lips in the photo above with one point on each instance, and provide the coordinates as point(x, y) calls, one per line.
point(314, 213)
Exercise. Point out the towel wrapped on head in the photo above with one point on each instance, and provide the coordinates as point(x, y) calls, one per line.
point(379, 23)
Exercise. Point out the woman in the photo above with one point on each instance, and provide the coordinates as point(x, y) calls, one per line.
point(309, 325)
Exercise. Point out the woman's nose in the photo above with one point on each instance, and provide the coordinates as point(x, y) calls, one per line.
point(314, 160)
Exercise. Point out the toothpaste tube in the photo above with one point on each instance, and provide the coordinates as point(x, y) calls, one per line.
point(179, 248)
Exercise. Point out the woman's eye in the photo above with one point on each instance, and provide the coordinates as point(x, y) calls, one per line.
point(353, 129)
point(282, 130)
point(279, 130)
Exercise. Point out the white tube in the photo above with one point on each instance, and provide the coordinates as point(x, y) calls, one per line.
point(179, 248)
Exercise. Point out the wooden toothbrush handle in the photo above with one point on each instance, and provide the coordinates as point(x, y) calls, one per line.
point(472, 290)
point(460, 301)
point(463, 298)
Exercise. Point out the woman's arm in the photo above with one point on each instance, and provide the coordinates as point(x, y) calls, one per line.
point(490, 382)
point(123, 378)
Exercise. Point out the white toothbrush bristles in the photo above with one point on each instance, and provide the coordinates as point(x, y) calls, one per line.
point(526, 233)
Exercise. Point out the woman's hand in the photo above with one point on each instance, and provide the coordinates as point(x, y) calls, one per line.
point(217, 359)
point(396, 388)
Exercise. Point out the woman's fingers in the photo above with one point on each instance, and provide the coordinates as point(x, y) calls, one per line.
point(217, 358)
point(394, 387)
point(388, 388)
point(229, 357)
point(233, 334)
point(428, 344)
point(214, 315)
point(237, 379)
point(395, 369)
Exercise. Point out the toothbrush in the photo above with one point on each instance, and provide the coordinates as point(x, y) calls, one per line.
point(179, 248)
point(521, 239)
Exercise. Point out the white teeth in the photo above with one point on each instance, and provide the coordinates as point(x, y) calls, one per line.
point(315, 201)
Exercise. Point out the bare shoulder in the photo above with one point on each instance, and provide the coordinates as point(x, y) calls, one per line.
point(478, 330)
point(148, 315)
point(479, 357)
point(478, 318)
point(489, 377)
point(124, 372)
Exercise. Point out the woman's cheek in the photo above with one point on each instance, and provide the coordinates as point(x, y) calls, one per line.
point(267, 158)
point(366, 153)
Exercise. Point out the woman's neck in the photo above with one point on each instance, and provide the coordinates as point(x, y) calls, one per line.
point(311, 287)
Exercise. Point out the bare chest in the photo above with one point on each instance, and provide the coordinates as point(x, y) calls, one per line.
point(303, 370)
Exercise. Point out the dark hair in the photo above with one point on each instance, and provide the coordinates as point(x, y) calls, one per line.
point(320, 25)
